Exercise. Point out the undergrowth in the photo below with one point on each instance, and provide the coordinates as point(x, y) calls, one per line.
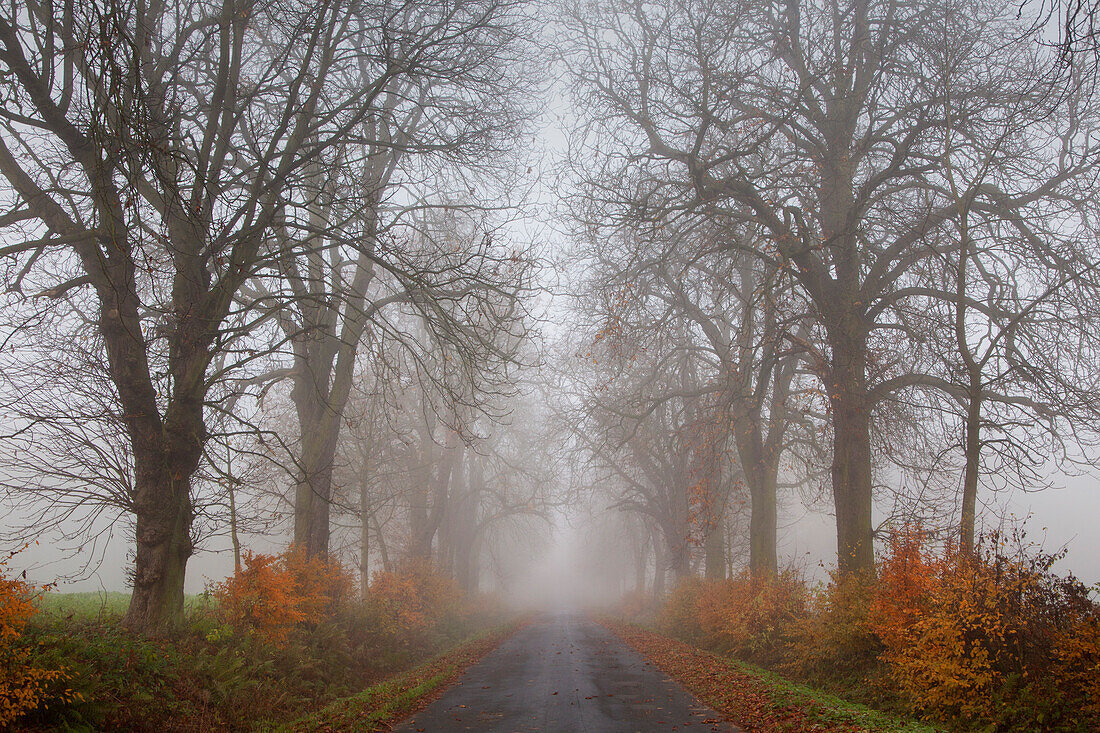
point(987, 641)
point(233, 665)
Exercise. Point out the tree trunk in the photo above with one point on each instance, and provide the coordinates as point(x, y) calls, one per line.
point(467, 530)
point(714, 550)
point(763, 554)
point(851, 472)
point(679, 557)
point(430, 518)
point(383, 549)
point(470, 570)
point(324, 361)
point(234, 535)
point(450, 530)
point(364, 540)
point(641, 565)
point(761, 474)
point(730, 542)
point(660, 568)
point(160, 564)
point(973, 449)
point(166, 454)
point(418, 509)
point(163, 535)
point(320, 426)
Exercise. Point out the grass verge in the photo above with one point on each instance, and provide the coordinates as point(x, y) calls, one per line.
point(755, 699)
point(382, 705)
point(204, 676)
point(100, 604)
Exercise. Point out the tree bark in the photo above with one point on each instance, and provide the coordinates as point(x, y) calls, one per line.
point(466, 529)
point(234, 534)
point(763, 554)
point(325, 346)
point(715, 551)
point(420, 475)
point(383, 549)
point(364, 539)
point(428, 518)
point(851, 471)
point(313, 493)
point(973, 450)
point(641, 565)
point(761, 474)
point(660, 568)
point(163, 547)
point(164, 461)
point(678, 557)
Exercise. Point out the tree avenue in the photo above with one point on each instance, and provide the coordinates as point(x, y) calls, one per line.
point(828, 127)
point(155, 155)
point(278, 270)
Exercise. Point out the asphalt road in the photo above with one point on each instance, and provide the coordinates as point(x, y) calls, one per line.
point(565, 674)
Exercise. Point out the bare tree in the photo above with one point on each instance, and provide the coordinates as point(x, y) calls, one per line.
point(637, 409)
point(822, 125)
point(743, 326)
point(452, 473)
point(359, 239)
point(1008, 345)
point(147, 151)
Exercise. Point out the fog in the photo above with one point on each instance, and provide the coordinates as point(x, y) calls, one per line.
point(568, 574)
point(559, 324)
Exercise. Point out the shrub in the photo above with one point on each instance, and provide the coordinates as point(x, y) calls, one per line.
point(409, 612)
point(638, 605)
point(679, 615)
point(752, 617)
point(837, 641)
point(1077, 663)
point(989, 639)
point(907, 576)
point(271, 596)
point(24, 686)
point(411, 599)
point(323, 585)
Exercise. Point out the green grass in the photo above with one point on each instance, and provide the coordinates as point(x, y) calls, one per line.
point(820, 706)
point(369, 708)
point(379, 706)
point(205, 676)
point(85, 605)
point(98, 604)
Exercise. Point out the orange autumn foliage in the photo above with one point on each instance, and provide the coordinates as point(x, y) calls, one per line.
point(963, 630)
point(754, 618)
point(412, 598)
point(637, 605)
point(322, 585)
point(993, 640)
point(1077, 665)
point(906, 577)
point(23, 685)
point(835, 639)
point(271, 596)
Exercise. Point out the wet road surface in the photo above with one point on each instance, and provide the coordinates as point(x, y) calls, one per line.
point(565, 674)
